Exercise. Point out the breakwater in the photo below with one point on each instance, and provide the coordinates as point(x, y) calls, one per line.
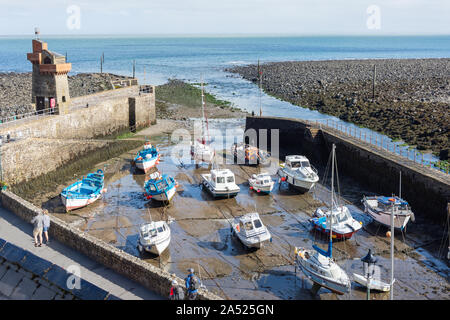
point(111, 257)
point(427, 190)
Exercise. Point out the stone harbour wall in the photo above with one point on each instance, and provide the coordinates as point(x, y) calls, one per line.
point(151, 277)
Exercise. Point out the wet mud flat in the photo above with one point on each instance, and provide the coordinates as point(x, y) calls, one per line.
point(202, 237)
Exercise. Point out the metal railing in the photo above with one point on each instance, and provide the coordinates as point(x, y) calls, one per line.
point(378, 141)
point(27, 116)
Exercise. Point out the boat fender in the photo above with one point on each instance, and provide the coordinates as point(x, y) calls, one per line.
point(251, 188)
point(258, 191)
point(283, 178)
point(237, 228)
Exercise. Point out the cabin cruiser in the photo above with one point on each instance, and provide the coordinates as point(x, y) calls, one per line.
point(342, 222)
point(220, 183)
point(244, 153)
point(261, 183)
point(298, 173)
point(380, 209)
point(147, 158)
point(83, 192)
point(154, 237)
point(251, 231)
point(163, 188)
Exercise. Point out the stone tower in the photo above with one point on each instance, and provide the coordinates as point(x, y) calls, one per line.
point(50, 87)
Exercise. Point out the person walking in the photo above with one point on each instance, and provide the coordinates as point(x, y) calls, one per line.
point(38, 223)
point(46, 225)
point(192, 284)
point(176, 291)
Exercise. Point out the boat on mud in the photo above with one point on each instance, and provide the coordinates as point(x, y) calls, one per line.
point(147, 158)
point(380, 209)
point(220, 183)
point(83, 192)
point(154, 237)
point(162, 188)
point(244, 153)
point(342, 222)
point(251, 231)
point(317, 264)
point(298, 173)
point(201, 150)
point(261, 183)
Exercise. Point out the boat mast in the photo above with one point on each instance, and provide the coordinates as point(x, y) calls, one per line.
point(203, 116)
point(400, 187)
point(330, 243)
point(260, 89)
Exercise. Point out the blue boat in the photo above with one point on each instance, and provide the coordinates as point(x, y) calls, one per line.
point(83, 192)
point(162, 188)
point(147, 158)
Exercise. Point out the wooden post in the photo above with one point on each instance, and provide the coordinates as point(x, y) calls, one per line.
point(134, 68)
point(101, 65)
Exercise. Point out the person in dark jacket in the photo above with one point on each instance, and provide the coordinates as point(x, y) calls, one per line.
point(176, 291)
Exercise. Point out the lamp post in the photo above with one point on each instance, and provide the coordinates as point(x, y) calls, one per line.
point(369, 261)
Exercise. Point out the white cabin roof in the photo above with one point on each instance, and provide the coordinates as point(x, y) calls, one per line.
point(296, 158)
point(222, 172)
point(249, 217)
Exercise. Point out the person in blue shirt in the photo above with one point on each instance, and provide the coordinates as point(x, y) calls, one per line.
point(192, 284)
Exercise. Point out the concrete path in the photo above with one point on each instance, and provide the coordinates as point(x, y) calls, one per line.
point(18, 232)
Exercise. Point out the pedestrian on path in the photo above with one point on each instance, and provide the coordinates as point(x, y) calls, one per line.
point(176, 291)
point(38, 223)
point(46, 226)
point(192, 284)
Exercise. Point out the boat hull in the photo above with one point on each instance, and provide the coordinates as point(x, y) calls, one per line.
point(220, 193)
point(302, 185)
point(375, 284)
point(384, 218)
point(336, 235)
point(165, 196)
point(157, 248)
point(76, 203)
point(145, 165)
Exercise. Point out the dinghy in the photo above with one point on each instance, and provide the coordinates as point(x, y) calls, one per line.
point(298, 173)
point(201, 150)
point(154, 237)
point(147, 158)
point(220, 183)
point(261, 183)
point(318, 264)
point(162, 188)
point(83, 192)
point(251, 231)
point(375, 284)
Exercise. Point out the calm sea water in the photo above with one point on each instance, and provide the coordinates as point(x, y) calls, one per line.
point(193, 58)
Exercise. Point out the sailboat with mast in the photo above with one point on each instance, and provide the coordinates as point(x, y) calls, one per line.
point(201, 150)
point(318, 265)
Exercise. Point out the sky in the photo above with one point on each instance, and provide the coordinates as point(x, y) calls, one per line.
point(225, 17)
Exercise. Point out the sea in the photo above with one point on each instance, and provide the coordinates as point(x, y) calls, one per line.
point(197, 58)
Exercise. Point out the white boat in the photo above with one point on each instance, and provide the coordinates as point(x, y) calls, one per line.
point(298, 173)
point(318, 264)
point(244, 153)
point(154, 237)
point(201, 150)
point(342, 222)
point(220, 183)
point(379, 208)
point(261, 183)
point(251, 231)
point(375, 284)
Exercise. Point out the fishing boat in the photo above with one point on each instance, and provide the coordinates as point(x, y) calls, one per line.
point(163, 188)
point(251, 231)
point(220, 183)
point(147, 158)
point(261, 183)
point(154, 237)
point(380, 207)
point(244, 153)
point(83, 192)
point(201, 150)
point(298, 173)
point(318, 265)
point(342, 222)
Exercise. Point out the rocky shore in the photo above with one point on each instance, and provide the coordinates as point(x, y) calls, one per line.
point(412, 96)
point(15, 89)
